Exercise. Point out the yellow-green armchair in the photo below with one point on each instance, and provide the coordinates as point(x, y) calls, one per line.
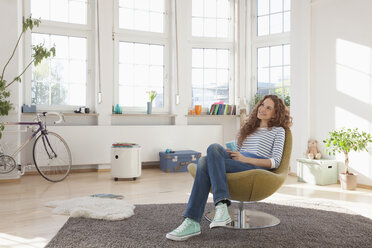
point(251, 186)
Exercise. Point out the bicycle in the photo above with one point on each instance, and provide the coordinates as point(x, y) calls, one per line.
point(51, 154)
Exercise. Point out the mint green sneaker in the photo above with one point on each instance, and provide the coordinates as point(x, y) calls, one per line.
point(186, 230)
point(222, 217)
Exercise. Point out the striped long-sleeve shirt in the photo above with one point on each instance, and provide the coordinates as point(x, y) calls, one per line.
point(265, 142)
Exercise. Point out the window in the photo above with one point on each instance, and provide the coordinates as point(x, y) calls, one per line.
point(271, 48)
point(145, 15)
point(273, 16)
point(61, 82)
point(273, 70)
point(210, 76)
point(210, 18)
point(141, 69)
point(141, 45)
point(212, 50)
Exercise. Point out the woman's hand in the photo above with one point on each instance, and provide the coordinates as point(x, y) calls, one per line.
point(237, 156)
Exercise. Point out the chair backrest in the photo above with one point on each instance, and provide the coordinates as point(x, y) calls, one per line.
point(287, 151)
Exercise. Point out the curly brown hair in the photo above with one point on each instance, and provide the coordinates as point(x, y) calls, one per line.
point(281, 118)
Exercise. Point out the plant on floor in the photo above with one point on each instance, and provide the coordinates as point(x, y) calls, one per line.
point(39, 54)
point(346, 140)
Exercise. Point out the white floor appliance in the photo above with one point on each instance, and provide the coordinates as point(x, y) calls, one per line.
point(126, 162)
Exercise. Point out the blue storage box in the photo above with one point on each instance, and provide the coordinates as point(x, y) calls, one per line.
point(178, 161)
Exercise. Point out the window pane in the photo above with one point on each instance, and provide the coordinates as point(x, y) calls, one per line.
point(77, 94)
point(223, 77)
point(287, 54)
point(126, 3)
point(287, 76)
point(276, 56)
point(156, 75)
point(263, 25)
point(126, 73)
point(126, 96)
point(197, 78)
point(222, 58)
point(78, 12)
point(60, 80)
point(156, 55)
point(262, 7)
point(141, 73)
point(197, 8)
point(78, 71)
point(287, 22)
point(276, 23)
point(197, 26)
point(210, 8)
point(71, 11)
point(78, 48)
point(287, 5)
point(197, 58)
point(157, 5)
point(263, 59)
point(210, 27)
point(59, 10)
point(197, 96)
point(210, 77)
point(156, 22)
point(141, 20)
point(141, 54)
point(223, 28)
point(210, 58)
point(40, 9)
point(141, 69)
point(276, 76)
point(263, 77)
point(126, 52)
point(210, 80)
point(276, 6)
point(126, 19)
point(142, 4)
point(143, 15)
point(223, 9)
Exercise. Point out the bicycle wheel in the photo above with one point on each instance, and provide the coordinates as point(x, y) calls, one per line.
point(7, 164)
point(52, 157)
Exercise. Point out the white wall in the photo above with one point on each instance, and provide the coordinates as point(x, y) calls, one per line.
point(339, 88)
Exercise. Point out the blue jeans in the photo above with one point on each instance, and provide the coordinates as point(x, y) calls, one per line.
point(211, 172)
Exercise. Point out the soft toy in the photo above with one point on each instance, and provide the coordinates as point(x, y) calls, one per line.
point(312, 150)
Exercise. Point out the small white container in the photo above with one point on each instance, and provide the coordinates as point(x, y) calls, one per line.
point(126, 162)
point(317, 171)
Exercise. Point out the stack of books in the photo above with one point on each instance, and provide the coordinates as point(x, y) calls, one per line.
point(222, 109)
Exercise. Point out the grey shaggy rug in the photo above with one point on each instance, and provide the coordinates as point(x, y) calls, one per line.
point(299, 227)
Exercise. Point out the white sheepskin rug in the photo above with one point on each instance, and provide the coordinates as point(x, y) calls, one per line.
point(93, 207)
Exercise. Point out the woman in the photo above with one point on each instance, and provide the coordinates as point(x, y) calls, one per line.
point(260, 145)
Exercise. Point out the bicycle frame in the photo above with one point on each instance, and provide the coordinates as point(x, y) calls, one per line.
point(40, 129)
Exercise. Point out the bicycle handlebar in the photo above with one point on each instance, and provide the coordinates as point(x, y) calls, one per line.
point(60, 115)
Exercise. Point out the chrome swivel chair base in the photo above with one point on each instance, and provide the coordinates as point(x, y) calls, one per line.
point(246, 218)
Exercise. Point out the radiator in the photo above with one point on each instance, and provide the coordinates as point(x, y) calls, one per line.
point(92, 144)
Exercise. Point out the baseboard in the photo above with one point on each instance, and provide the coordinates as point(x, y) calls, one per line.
point(10, 180)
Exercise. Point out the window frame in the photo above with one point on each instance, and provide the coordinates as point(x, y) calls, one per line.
point(64, 29)
point(261, 42)
point(145, 37)
point(216, 43)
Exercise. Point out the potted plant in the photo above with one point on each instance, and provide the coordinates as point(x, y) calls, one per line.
point(345, 141)
point(152, 96)
point(39, 54)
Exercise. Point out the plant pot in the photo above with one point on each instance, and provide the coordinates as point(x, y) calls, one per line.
point(149, 108)
point(348, 181)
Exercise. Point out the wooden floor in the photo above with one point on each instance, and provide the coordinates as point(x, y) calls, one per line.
point(25, 222)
